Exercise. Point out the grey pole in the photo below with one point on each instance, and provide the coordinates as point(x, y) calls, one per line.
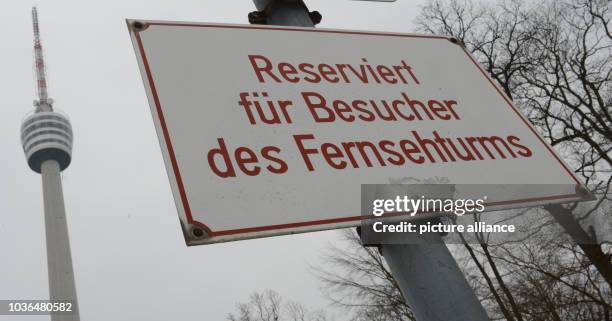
point(423, 267)
point(284, 13)
point(431, 282)
point(59, 260)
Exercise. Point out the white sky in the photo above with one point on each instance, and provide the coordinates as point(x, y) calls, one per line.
point(130, 260)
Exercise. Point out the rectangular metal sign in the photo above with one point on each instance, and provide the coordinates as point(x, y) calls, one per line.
point(272, 130)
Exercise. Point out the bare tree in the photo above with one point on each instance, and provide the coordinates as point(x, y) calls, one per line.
point(554, 60)
point(554, 281)
point(364, 283)
point(269, 306)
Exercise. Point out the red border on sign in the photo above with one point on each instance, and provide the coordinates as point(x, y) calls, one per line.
point(174, 162)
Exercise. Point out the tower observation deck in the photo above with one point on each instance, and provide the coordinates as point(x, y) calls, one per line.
point(46, 134)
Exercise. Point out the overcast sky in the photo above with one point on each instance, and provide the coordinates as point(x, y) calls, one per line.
point(130, 259)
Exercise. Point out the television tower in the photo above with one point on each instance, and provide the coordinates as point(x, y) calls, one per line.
point(46, 136)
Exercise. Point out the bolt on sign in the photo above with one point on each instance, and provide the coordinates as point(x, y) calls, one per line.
point(272, 130)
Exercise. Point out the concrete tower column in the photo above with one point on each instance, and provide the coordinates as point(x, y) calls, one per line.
point(59, 260)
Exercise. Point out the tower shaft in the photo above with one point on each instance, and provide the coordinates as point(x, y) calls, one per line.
point(59, 260)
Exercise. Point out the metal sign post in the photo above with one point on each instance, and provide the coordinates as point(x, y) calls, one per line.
point(430, 279)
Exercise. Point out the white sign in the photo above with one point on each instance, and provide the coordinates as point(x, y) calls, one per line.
point(269, 130)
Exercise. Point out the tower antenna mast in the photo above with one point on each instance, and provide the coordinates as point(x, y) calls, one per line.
point(44, 103)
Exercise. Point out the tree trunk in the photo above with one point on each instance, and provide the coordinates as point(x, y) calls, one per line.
point(591, 249)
